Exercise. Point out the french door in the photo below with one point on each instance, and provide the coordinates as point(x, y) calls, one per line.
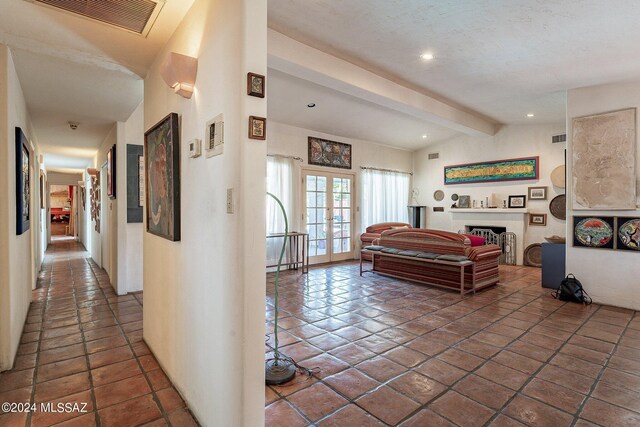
point(328, 215)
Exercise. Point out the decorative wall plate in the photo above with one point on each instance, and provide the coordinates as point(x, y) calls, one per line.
point(558, 207)
point(438, 195)
point(558, 177)
point(533, 255)
point(454, 197)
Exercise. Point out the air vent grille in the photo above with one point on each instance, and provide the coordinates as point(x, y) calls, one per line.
point(132, 15)
point(433, 156)
point(559, 138)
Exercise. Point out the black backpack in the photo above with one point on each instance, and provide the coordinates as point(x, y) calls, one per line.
point(571, 290)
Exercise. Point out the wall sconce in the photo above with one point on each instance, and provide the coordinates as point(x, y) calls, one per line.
point(179, 72)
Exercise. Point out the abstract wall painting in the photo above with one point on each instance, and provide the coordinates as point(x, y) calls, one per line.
point(604, 161)
point(23, 183)
point(628, 234)
point(323, 152)
point(593, 232)
point(162, 168)
point(499, 170)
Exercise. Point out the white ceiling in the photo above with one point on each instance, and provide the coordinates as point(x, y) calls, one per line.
point(344, 115)
point(75, 69)
point(503, 59)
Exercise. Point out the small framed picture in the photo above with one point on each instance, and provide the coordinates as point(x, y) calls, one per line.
point(257, 127)
point(255, 85)
point(538, 219)
point(517, 201)
point(537, 193)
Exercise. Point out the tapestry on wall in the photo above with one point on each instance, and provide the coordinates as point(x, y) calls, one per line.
point(162, 168)
point(498, 170)
point(23, 183)
point(593, 232)
point(628, 234)
point(323, 152)
point(604, 161)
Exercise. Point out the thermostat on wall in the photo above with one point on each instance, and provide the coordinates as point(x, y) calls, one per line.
point(195, 148)
point(214, 136)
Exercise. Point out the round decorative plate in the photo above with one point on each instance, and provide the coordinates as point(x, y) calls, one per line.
point(558, 177)
point(454, 197)
point(555, 239)
point(629, 234)
point(558, 207)
point(593, 232)
point(438, 195)
point(533, 255)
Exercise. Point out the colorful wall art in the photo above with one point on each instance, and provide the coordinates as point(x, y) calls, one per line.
point(604, 161)
point(23, 183)
point(628, 234)
point(593, 232)
point(499, 170)
point(323, 152)
point(162, 166)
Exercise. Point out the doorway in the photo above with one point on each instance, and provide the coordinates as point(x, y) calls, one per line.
point(61, 199)
point(328, 215)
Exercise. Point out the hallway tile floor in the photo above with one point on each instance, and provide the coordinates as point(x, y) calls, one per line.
point(389, 352)
point(82, 344)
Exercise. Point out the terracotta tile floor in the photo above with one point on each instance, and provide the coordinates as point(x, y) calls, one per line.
point(390, 352)
point(83, 344)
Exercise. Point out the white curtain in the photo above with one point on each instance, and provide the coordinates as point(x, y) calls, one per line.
point(281, 182)
point(385, 196)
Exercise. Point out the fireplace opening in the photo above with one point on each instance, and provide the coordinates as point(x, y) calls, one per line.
point(497, 230)
point(498, 236)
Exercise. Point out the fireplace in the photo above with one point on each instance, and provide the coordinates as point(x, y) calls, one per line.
point(498, 236)
point(495, 229)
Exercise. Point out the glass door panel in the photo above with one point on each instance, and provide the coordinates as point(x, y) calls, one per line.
point(328, 216)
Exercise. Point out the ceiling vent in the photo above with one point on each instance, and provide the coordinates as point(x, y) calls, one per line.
point(137, 16)
point(433, 156)
point(562, 137)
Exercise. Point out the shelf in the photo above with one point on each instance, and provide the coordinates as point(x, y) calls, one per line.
point(522, 211)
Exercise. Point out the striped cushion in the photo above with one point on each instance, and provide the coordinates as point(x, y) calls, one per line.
point(440, 242)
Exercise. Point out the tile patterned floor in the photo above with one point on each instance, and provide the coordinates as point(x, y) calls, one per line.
point(395, 353)
point(83, 344)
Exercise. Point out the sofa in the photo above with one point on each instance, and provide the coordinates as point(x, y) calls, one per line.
point(373, 232)
point(414, 248)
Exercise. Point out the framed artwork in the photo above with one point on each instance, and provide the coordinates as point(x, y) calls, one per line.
point(162, 178)
point(498, 170)
point(518, 201)
point(538, 219)
point(134, 207)
point(604, 161)
point(43, 187)
point(537, 193)
point(593, 232)
point(323, 152)
point(257, 128)
point(111, 173)
point(628, 233)
point(255, 85)
point(464, 202)
point(23, 183)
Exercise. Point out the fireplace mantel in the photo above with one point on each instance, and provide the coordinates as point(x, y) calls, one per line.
point(522, 211)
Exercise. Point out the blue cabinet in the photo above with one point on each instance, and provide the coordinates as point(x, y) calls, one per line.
point(553, 264)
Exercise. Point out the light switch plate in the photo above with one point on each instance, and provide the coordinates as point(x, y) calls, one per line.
point(195, 148)
point(229, 200)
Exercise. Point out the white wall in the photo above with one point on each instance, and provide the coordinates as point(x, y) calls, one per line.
point(609, 276)
point(129, 235)
point(511, 141)
point(293, 141)
point(19, 255)
point(204, 295)
point(107, 238)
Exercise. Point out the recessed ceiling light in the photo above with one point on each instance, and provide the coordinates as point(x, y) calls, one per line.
point(311, 104)
point(427, 56)
point(530, 115)
point(424, 136)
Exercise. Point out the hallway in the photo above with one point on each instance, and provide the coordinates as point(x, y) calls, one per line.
point(82, 344)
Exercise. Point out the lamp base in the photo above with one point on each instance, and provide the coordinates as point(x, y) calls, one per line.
point(281, 373)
